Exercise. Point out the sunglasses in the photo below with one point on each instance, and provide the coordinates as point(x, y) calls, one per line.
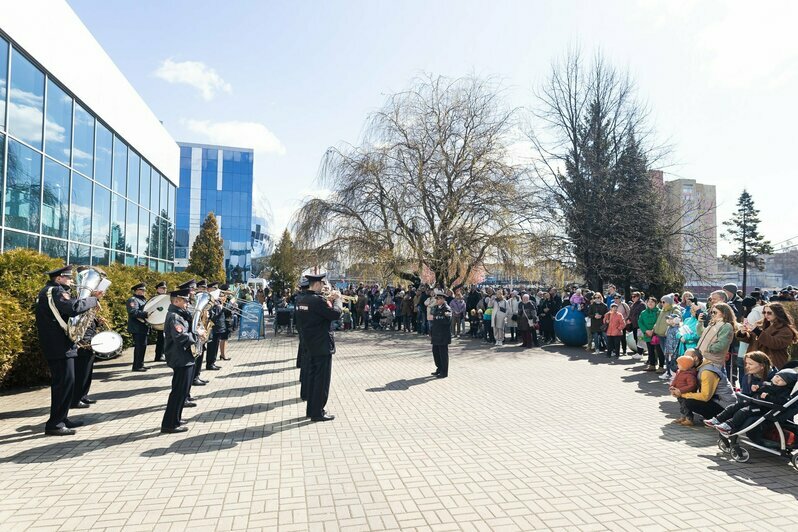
point(767, 313)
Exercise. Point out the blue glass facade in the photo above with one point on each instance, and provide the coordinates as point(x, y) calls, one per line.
point(71, 186)
point(216, 179)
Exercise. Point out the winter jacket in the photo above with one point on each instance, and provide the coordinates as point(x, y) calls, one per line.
point(458, 306)
point(512, 309)
point(528, 310)
point(441, 326)
point(688, 334)
point(773, 340)
point(597, 324)
point(500, 315)
point(748, 381)
point(671, 340)
point(713, 386)
point(661, 326)
point(715, 341)
point(634, 313)
point(647, 320)
point(615, 323)
point(686, 380)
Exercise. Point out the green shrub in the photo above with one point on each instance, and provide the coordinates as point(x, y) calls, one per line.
point(12, 327)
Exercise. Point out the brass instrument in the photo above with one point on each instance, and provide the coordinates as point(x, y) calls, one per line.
point(201, 319)
point(88, 280)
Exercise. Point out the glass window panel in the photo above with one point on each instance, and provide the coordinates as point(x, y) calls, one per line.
point(102, 156)
point(101, 217)
point(54, 248)
point(83, 148)
point(120, 166)
point(164, 198)
point(163, 235)
point(26, 104)
point(23, 187)
point(144, 185)
point(155, 191)
point(133, 169)
point(132, 228)
point(170, 241)
point(3, 80)
point(14, 240)
point(100, 257)
point(144, 230)
point(78, 254)
point(143, 262)
point(130, 260)
point(58, 123)
point(55, 200)
point(171, 204)
point(118, 257)
point(154, 241)
point(118, 239)
point(80, 210)
point(2, 163)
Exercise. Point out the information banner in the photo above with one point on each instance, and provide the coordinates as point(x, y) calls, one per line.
point(251, 322)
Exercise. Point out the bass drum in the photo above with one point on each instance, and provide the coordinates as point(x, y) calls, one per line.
point(107, 345)
point(157, 306)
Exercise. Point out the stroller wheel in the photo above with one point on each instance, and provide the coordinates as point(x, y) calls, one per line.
point(740, 454)
point(794, 460)
point(723, 445)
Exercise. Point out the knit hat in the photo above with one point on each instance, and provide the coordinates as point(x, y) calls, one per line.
point(685, 363)
point(668, 299)
point(790, 376)
point(731, 287)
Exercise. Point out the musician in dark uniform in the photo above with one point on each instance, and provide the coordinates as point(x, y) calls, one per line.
point(441, 334)
point(301, 358)
point(136, 325)
point(54, 307)
point(191, 286)
point(314, 316)
point(219, 329)
point(179, 343)
point(84, 367)
point(160, 288)
point(202, 286)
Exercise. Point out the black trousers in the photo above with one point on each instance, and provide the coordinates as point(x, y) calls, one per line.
point(62, 388)
point(198, 363)
point(304, 373)
point(139, 349)
point(440, 354)
point(636, 333)
point(614, 345)
point(84, 366)
point(705, 409)
point(212, 348)
point(655, 355)
point(319, 375)
point(158, 345)
point(181, 383)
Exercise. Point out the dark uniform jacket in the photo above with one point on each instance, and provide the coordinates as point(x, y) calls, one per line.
point(441, 327)
point(313, 318)
point(217, 316)
point(53, 339)
point(134, 311)
point(178, 338)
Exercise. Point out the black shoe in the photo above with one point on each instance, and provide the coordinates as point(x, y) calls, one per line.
point(183, 422)
point(323, 417)
point(440, 376)
point(142, 369)
point(198, 382)
point(73, 424)
point(434, 373)
point(63, 431)
point(88, 401)
point(192, 399)
point(213, 368)
point(173, 430)
point(189, 404)
point(80, 404)
point(202, 380)
point(159, 359)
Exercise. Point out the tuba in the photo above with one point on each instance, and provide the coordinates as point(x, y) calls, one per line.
point(201, 318)
point(88, 280)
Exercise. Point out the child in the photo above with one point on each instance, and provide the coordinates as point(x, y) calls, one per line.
point(346, 319)
point(615, 324)
point(686, 381)
point(474, 320)
point(671, 346)
point(736, 416)
point(487, 316)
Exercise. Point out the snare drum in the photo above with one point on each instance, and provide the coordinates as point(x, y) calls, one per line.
point(107, 345)
point(157, 306)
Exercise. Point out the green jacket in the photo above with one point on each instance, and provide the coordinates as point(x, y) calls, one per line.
point(661, 327)
point(647, 320)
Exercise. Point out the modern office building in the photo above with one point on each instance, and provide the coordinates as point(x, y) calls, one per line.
point(88, 172)
point(216, 179)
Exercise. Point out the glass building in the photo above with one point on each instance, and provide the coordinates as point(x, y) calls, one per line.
point(74, 186)
point(216, 179)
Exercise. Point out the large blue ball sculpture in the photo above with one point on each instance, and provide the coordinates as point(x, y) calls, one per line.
point(569, 326)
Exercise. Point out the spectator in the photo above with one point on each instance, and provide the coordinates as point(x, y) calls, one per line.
point(577, 300)
point(527, 318)
point(772, 335)
point(758, 369)
point(499, 318)
point(713, 395)
point(512, 314)
point(661, 328)
point(717, 337)
point(596, 311)
point(407, 310)
point(458, 306)
point(546, 312)
point(635, 310)
point(734, 301)
point(623, 310)
point(648, 318)
point(611, 293)
point(615, 325)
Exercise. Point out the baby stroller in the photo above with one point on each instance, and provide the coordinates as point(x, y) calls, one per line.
point(773, 432)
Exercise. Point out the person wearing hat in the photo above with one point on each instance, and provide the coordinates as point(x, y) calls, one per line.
point(179, 343)
point(314, 316)
point(440, 334)
point(301, 357)
point(734, 300)
point(136, 324)
point(202, 286)
point(161, 289)
point(190, 285)
point(55, 306)
point(219, 330)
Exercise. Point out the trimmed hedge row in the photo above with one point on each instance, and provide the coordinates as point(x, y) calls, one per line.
point(22, 275)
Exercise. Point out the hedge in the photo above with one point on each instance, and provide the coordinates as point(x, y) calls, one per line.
point(22, 275)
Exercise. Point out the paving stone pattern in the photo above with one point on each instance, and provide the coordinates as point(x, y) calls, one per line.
point(548, 438)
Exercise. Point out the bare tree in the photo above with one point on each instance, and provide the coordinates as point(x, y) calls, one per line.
point(431, 184)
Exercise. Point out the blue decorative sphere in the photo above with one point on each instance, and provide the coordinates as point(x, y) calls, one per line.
point(569, 326)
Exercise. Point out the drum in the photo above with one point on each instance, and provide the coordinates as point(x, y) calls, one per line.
point(157, 306)
point(107, 345)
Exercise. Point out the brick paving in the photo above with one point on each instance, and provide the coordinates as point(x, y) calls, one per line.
point(547, 438)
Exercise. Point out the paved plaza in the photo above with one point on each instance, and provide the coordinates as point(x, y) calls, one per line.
point(548, 438)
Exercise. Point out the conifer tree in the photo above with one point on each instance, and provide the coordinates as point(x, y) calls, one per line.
point(743, 230)
point(284, 265)
point(207, 254)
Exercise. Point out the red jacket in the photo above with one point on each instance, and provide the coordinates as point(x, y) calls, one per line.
point(615, 323)
point(685, 380)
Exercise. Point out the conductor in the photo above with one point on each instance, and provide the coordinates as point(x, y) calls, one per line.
point(314, 316)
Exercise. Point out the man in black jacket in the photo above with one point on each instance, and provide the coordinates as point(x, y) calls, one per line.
point(441, 334)
point(54, 307)
point(314, 316)
point(136, 325)
point(179, 343)
point(301, 355)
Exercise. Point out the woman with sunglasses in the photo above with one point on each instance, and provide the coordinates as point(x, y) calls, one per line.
point(718, 335)
point(772, 335)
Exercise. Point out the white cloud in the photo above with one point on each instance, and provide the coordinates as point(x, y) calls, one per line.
point(195, 74)
point(239, 134)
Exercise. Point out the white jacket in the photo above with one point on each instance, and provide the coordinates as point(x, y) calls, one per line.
point(512, 309)
point(499, 318)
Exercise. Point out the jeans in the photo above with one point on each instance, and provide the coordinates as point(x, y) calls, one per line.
point(599, 340)
point(457, 324)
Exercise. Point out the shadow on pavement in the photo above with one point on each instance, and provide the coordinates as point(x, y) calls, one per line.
point(240, 392)
point(266, 362)
point(402, 384)
point(770, 472)
point(70, 447)
point(246, 374)
point(119, 394)
point(235, 412)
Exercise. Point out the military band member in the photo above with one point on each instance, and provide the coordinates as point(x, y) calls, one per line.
point(179, 343)
point(202, 286)
point(301, 358)
point(191, 286)
point(84, 368)
point(218, 329)
point(314, 316)
point(229, 314)
point(161, 289)
point(136, 325)
point(54, 307)
point(441, 334)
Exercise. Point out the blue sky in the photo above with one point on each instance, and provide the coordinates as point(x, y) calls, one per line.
point(293, 78)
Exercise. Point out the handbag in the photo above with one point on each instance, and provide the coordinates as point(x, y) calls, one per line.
point(514, 317)
point(655, 340)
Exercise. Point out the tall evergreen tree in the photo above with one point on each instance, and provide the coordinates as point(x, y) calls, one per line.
point(207, 254)
point(743, 230)
point(284, 265)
